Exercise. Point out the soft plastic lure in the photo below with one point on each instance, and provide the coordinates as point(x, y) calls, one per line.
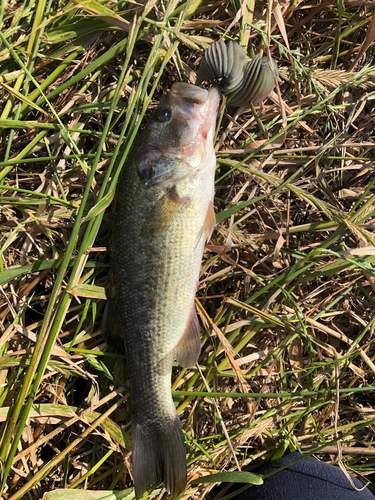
point(241, 81)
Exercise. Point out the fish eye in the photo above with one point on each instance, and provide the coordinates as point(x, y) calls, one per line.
point(163, 114)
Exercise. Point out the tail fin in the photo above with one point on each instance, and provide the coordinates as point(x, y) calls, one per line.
point(158, 455)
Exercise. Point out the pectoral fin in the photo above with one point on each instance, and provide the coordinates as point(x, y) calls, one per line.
point(160, 217)
point(189, 347)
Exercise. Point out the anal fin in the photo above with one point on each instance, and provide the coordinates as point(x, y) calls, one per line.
point(189, 347)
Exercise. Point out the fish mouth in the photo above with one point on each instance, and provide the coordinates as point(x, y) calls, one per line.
point(196, 110)
point(213, 100)
point(189, 93)
point(194, 102)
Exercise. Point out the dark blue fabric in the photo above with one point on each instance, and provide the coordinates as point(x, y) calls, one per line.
point(308, 479)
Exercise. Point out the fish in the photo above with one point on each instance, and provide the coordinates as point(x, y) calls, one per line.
point(162, 217)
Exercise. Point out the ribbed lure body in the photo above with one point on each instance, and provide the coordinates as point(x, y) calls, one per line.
point(162, 217)
point(222, 60)
point(241, 82)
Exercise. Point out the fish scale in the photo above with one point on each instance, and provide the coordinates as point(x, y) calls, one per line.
point(162, 216)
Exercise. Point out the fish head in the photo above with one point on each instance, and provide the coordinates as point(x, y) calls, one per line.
point(179, 137)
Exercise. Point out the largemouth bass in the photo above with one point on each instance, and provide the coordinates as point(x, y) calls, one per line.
point(163, 215)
